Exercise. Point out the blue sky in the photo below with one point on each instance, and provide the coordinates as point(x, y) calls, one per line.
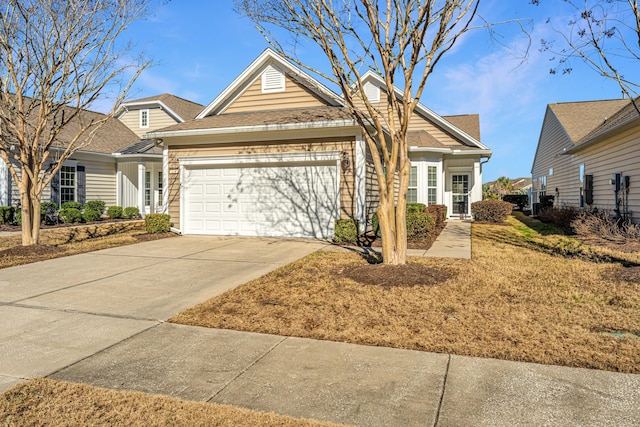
point(200, 46)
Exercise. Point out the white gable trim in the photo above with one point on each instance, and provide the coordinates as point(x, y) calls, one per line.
point(125, 107)
point(370, 75)
point(266, 57)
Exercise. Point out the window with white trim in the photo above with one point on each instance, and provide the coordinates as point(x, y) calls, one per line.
point(144, 118)
point(412, 192)
point(273, 80)
point(432, 185)
point(68, 180)
point(159, 202)
point(147, 188)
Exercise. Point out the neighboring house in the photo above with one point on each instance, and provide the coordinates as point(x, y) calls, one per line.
point(110, 167)
point(278, 154)
point(587, 156)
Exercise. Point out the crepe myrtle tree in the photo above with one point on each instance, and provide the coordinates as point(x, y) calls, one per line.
point(57, 57)
point(605, 35)
point(399, 40)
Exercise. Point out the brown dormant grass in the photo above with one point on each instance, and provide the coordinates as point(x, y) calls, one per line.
point(65, 241)
point(524, 296)
point(48, 402)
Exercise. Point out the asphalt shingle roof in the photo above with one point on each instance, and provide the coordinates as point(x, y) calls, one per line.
point(186, 109)
point(580, 118)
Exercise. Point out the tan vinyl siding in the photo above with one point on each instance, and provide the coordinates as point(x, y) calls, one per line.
point(100, 181)
point(614, 155)
point(566, 168)
point(294, 96)
point(419, 122)
point(347, 178)
point(158, 119)
point(372, 189)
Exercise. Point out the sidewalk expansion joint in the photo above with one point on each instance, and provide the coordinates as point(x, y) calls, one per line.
point(245, 370)
point(89, 313)
point(444, 387)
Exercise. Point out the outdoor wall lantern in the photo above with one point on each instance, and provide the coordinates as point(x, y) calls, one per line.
point(345, 162)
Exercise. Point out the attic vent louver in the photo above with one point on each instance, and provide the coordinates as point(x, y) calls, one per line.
point(372, 92)
point(272, 80)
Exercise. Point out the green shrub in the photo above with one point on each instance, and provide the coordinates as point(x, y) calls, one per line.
point(346, 231)
point(115, 212)
point(89, 215)
point(70, 215)
point(546, 202)
point(439, 213)
point(17, 217)
point(521, 200)
point(416, 207)
point(419, 225)
point(491, 210)
point(131, 212)
point(6, 214)
point(71, 205)
point(96, 205)
point(49, 213)
point(157, 223)
point(47, 205)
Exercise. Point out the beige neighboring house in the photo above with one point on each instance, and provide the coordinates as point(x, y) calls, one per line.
point(588, 157)
point(277, 154)
point(111, 167)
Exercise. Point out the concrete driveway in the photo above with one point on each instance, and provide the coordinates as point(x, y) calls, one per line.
point(57, 312)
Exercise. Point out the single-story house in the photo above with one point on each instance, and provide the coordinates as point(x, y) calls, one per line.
point(110, 167)
point(587, 156)
point(276, 153)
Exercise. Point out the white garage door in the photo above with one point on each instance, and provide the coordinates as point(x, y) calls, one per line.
point(284, 199)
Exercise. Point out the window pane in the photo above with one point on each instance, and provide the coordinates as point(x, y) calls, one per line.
point(432, 180)
point(413, 176)
point(432, 199)
point(412, 195)
point(147, 188)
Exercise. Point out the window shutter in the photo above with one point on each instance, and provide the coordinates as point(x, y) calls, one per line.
point(272, 80)
point(588, 189)
point(82, 187)
point(55, 188)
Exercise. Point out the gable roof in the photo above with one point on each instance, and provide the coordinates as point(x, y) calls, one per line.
point(625, 117)
point(470, 123)
point(179, 108)
point(266, 58)
point(145, 146)
point(580, 118)
point(431, 116)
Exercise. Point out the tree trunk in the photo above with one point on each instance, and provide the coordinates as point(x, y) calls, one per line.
point(30, 207)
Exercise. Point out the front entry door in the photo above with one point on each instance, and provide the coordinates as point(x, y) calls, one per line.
point(460, 192)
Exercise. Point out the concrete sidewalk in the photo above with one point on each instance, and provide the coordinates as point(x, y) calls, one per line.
point(358, 385)
point(453, 242)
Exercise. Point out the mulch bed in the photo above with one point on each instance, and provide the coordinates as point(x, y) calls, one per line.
point(43, 226)
point(146, 237)
point(28, 251)
point(396, 275)
point(628, 274)
point(370, 240)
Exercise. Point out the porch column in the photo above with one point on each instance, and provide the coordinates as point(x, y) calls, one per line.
point(476, 191)
point(165, 180)
point(141, 186)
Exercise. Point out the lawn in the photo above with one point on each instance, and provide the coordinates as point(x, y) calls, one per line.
point(65, 241)
point(526, 295)
point(48, 402)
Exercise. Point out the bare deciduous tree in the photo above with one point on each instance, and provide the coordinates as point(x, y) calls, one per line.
point(399, 40)
point(57, 57)
point(604, 34)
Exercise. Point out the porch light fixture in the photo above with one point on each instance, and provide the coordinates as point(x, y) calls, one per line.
point(345, 163)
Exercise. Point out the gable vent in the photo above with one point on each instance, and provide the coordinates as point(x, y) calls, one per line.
point(272, 80)
point(372, 92)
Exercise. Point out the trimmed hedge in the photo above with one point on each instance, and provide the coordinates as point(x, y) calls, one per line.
point(491, 210)
point(521, 200)
point(346, 231)
point(562, 217)
point(157, 223)
point(70, 215)
point(6, 214)
point(546, 202)
point(89, 215)
point(115, 212)
point(416, 207)
point(71, 205)
point(131, 212)
point(95, 205)
point(439, 213)
point(419, 225)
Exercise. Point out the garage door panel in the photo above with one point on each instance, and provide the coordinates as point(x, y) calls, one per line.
point(283, 200)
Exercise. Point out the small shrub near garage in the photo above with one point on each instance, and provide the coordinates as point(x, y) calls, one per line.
point(71, 205)
point(96, 206)
point(491, 210)
point(419, 225)
point(131, 212)
point(115, 212)
point(157, 223)
point(70, 215)
point(346, 231)
point(6, 214)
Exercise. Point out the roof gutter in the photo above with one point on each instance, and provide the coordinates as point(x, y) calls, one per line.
point(259, 128)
